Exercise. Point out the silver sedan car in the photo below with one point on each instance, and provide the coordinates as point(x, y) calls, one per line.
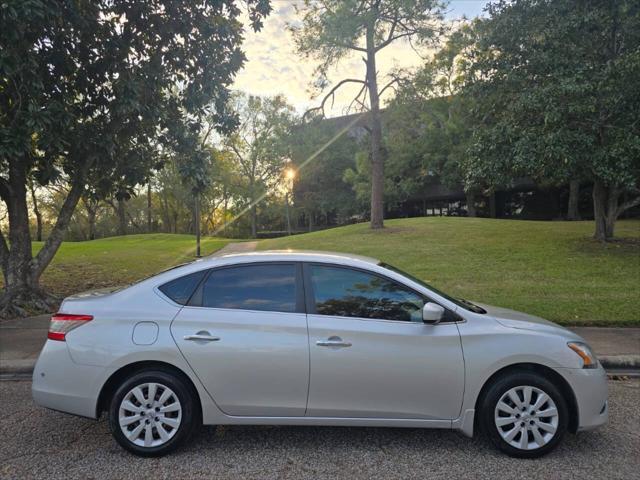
point(306, 338)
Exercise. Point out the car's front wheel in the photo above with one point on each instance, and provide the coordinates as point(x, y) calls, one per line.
point(152, 413)
point(524, 415)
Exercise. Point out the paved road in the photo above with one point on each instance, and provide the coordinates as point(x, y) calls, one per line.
point(36, 443)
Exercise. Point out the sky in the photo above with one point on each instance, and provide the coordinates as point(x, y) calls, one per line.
point(273, 67)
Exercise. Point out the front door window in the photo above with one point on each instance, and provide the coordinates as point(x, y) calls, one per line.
point(346, 292)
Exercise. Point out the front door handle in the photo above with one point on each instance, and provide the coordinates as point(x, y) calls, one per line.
point(202, 337)
point(333, 342)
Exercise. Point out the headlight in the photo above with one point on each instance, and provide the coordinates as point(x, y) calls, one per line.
point(582, 349)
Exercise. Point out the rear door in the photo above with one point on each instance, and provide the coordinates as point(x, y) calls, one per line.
point(371, 354)
point(244, 332)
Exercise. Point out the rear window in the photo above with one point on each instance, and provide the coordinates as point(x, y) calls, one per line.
point(181, 289)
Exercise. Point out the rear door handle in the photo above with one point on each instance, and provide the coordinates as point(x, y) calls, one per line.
point(202, 337)
point(333, 342)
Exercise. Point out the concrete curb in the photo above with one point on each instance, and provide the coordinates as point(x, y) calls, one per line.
point(11, 367)
point(619, 363)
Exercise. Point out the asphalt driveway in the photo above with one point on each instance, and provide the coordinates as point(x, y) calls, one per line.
point(37, 443)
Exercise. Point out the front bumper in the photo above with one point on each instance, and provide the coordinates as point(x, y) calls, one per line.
point(591, 392)
point(61, 384)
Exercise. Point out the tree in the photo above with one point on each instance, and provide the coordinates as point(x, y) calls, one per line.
point(429, 124)
point(259, 146)
point(225, 185)
point(557, 92)
point(36, 210)
point(319, 188)
point(333, 29)
point(89, 88)
point(91, 205)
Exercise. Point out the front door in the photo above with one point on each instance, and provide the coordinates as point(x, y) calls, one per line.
point(371, 354)
point(246, 339)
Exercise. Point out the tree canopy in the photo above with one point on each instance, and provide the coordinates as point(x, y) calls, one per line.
point(259, 146)
point(94, 91)
point(556, 92)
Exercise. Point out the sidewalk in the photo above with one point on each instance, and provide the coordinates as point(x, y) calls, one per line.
point(21, 341)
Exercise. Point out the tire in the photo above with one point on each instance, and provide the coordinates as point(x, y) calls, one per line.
point(161, 428)
point(504, 421)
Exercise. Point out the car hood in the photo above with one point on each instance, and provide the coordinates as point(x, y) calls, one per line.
point(514, 319)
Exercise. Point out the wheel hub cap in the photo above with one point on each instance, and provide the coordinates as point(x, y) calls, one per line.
point(526, 417)
point(150, 415)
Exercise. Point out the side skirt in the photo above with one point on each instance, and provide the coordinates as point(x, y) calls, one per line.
point(338, 422)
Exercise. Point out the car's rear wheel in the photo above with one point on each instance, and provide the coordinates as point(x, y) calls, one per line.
point(524, 415)
point(152, 413)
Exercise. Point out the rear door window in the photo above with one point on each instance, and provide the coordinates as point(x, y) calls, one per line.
point(264, 287)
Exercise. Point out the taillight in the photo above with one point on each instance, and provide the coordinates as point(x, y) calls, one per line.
point(63, 323)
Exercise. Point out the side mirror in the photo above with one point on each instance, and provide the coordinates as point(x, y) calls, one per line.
point(432, 313)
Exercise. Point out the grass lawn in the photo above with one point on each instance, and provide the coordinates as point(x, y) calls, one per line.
point(80, 266)
point(551, 269)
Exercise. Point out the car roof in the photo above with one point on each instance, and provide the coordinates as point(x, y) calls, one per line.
point(222, 260)
point(292, 255)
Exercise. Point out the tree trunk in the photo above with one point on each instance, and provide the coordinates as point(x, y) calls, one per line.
point(4, 257)
point(607, 209)
point(254, 209)
point(122, 217)
point(492, 205)
point(471, 205)
point(197, 223)
point(36, 212)
point(91, 207)
point(22, 293)
point(19, 256)
point(166, 214)
point(254, 221)
point(605, 206)
point(377, 154)
point(573, 212)
point(92, 224)
point(222, 230)
point(149, 206)
point(225, 204)
point(310, 221)
point(91, 218)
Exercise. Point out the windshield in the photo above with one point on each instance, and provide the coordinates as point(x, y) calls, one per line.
point(460, 302)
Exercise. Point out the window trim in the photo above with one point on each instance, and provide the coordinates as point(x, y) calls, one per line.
point(311, 301)
point(195, 301)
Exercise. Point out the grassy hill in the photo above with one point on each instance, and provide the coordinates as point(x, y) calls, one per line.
point(551, 269)
point(80, 266)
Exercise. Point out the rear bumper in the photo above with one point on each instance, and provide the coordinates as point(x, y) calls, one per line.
point(591, 392)
point(61, 384)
